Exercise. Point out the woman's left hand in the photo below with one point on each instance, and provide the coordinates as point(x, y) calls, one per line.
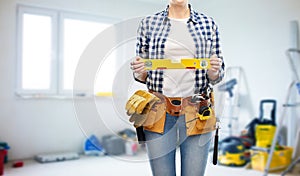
point(213, 71)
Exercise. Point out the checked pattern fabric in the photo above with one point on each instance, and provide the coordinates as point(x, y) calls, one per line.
point(151, 37)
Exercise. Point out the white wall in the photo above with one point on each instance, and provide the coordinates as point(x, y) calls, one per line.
point(49, 125)
point(255, 35)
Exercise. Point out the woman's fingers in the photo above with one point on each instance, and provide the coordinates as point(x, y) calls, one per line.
point(215, 63)
point(137, 65)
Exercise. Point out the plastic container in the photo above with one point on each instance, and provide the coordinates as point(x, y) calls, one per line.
point(5, 146)
point(281, 159)
point(131, 147)
point(264, 135)
point(113, 145)
point(3, 153)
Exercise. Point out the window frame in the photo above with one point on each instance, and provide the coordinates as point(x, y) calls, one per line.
point(43, 12)
point(57, 18)
point(73, 16)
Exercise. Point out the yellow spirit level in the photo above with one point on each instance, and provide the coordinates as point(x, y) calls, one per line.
point(185, 63)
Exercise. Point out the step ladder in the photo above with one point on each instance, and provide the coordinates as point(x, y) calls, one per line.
point(288, 105)
point(229, 95)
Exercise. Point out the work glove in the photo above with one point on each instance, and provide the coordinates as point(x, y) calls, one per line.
point(140, 102)
point(139, 105)
point(140, 119)
point(157, 112)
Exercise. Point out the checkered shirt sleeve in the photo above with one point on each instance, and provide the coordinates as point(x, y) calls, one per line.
point(151, 37)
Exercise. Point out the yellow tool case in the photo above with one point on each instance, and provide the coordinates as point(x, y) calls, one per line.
point(232, 152)
point(281, 159)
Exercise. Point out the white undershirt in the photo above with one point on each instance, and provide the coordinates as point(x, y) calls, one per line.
point(179, 44)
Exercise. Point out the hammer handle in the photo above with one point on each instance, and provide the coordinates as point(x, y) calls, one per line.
point(215, 155)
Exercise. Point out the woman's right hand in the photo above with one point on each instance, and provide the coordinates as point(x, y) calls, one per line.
point(138, 66)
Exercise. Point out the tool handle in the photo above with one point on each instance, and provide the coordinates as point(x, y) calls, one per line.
point(140, 135)
point(273, 111)
point(215, 155)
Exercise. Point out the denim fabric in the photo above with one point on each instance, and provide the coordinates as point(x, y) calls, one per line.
point(161, 149)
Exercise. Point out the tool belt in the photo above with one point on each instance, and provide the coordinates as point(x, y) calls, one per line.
point(148, 111)
point(199, 116)
point(175, 105)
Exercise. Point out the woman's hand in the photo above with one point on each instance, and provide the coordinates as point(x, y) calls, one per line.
point(213, 71)
point(138, 68)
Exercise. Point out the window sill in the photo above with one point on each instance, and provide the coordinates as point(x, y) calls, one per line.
point(65, 96)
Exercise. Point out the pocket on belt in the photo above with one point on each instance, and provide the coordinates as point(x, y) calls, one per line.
point(199, 123)
point(190, 112)
point(155, 114)
point(156, 117)
point(206, 124)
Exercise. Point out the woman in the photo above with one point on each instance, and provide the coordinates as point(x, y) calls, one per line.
point(175, 33)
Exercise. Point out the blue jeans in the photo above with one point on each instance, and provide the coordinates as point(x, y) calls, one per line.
point(161, 149)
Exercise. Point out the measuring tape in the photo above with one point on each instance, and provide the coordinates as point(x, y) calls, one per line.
point(185, 63)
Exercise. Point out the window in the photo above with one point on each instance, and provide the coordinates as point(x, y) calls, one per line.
point(36, 58)
point(50, 43)
point(75, 30)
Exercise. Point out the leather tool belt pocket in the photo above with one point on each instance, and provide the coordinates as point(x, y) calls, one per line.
point(199, 116)
point(157, 116)
point(174, 105)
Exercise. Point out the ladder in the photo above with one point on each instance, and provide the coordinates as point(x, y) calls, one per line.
point(288, 104)
point(229, 94)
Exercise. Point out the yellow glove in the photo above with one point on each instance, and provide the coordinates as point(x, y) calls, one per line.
point(140, 119)
point(140, 102)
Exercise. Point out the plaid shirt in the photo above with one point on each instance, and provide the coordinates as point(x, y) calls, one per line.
point(153, 32)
